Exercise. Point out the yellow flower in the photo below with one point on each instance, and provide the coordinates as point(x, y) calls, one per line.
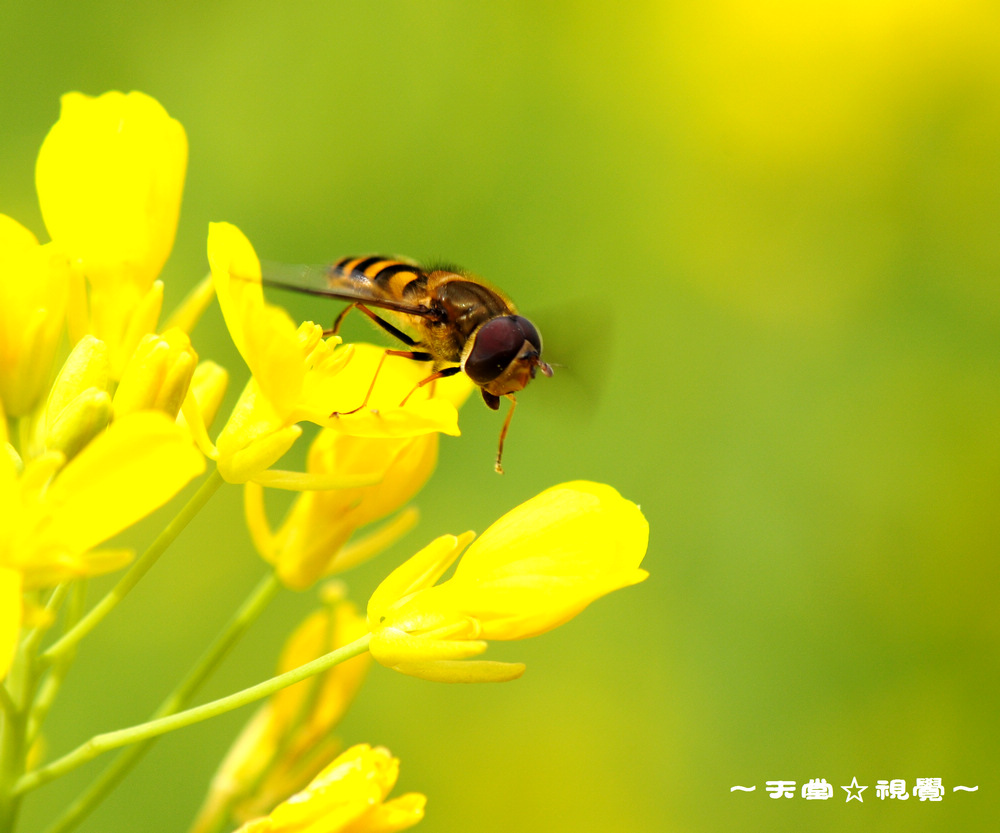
point(310, 542)
point(109, 176)
point(290, 739)
point(53, 514)
point(531, 571)
point(299, 376)
point(432, 408)
point(34, 288)
point(347, 797)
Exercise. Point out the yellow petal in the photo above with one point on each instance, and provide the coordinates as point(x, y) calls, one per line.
point(384, 415)
point(136, 466)
point(257, 455)
point(347, 791)
point(394, 815)
point(236, 278)
point(546, 560)
point(34, 290)
point(577, 528)
point(265, 335)
point(208, 386)
point(110, 176)
point(418, 572)
point(320, 523)
point(533, 570)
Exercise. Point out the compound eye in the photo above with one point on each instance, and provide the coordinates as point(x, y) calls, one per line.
point(530, 333)
point(497, 344)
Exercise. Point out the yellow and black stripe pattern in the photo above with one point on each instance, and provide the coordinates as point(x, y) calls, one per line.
point(386, 277)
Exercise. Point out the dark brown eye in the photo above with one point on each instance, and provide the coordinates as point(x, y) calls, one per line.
point(530, 333)
point(498, 343)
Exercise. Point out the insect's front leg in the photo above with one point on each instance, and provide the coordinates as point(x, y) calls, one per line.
point(416, 355)
point(335, 329)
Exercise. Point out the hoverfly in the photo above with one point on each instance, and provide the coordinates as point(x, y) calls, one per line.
point(462, 324)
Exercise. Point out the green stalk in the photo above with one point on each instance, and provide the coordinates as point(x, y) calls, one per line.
point(20, 683)
point(144, 731)
point(49, 688)
point(249, 611)
point(138, 569)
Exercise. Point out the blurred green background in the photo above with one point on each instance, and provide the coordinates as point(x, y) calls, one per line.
point(773, 225)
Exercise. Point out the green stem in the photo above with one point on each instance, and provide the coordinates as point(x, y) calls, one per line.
point(144, 731)
point(7, 704)
point(57, 671)
point(238, 625)
point(138, 569)
point(20, 684)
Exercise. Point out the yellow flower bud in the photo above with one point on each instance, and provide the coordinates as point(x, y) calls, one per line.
point(158, 375)
point(208, 387)
point(308, 544)
point(87, 366)
point(78, 408)
point(79, 422)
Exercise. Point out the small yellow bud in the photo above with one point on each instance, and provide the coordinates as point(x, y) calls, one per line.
point(79, 422)
point(87, 366)
point(79, 405)
point(158, 375)
point(208, 386)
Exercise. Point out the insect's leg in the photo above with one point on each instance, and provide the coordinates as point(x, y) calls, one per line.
point(440, 374)
point(409, 354)
point(385, 325)
point(395, 332)
point(338, 321)
point(503, 432)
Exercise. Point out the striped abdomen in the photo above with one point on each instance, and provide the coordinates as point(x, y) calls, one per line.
point(386, 277)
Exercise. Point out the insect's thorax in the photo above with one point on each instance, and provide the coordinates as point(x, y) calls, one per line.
point(463, 306)
point(456, 305)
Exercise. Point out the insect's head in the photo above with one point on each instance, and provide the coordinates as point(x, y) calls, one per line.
point(503, 355)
